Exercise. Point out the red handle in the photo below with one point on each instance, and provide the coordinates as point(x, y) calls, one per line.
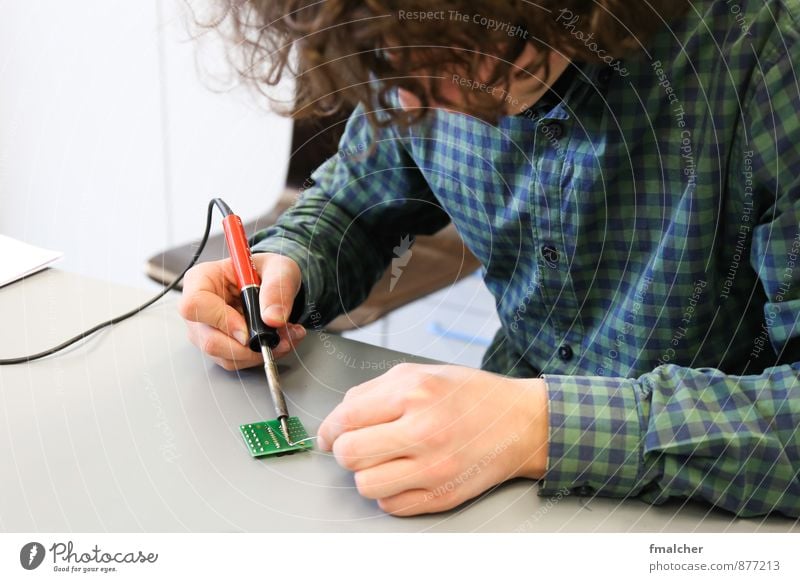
point(246, 273)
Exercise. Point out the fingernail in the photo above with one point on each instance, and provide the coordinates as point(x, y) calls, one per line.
point(322, 443)
point(274, 313)
point(297, 332)
point(240, 337)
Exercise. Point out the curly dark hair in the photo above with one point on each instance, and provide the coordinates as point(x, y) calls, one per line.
point(342, 52)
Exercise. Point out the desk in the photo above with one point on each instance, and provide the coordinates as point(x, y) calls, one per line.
point(136, 431)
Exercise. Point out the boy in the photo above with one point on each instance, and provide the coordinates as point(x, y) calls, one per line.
point(627, 174)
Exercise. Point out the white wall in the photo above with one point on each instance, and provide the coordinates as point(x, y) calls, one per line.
point(110, 143)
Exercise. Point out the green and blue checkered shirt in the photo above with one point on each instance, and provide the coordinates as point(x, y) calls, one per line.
point(641, 237)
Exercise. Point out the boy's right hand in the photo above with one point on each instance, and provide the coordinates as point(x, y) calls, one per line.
point(212, 308)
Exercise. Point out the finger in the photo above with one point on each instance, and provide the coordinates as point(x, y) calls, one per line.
point(280, 282)
point(290, 338)
point(219, 345)
point(215, 276)
point(370, 409)
point(225, 364)
point(417, 501)
point(367, 447)
point(209, 308)
point(391, 479)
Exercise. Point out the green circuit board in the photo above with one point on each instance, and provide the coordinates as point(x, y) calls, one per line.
point(266, 438)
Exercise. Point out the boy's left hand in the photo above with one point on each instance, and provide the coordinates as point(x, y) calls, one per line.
point(425, 438)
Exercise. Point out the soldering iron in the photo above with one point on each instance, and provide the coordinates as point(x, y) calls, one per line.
point(261, 337)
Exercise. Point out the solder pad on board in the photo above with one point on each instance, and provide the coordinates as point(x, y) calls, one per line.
point(266, 438)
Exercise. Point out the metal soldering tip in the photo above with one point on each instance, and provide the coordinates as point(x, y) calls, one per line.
point(285, 429)
point(271, 369)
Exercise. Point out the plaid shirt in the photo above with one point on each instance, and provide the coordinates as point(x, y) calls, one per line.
point(640, 234)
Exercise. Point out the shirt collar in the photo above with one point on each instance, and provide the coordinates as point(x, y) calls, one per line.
point(578, 79)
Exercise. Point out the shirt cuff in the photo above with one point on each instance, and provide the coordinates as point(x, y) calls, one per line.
point(595, 436)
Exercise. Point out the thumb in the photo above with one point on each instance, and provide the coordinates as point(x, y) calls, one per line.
point(280, 282)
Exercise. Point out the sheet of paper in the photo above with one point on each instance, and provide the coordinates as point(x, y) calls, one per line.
point(19, 259)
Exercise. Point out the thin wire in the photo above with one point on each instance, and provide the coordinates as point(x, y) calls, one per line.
point(291, 444)
point(83, 335)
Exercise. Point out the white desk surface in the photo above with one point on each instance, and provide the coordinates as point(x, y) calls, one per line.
point(136, 431)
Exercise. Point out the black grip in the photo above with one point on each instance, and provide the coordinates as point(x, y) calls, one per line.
point(259, 331)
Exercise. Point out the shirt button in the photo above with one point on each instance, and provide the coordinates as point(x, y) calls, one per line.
point(583, 491)
point(550, 255)
point(553, 130)
point(565, 353)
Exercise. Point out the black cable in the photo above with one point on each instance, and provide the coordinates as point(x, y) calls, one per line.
point(224, 208)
